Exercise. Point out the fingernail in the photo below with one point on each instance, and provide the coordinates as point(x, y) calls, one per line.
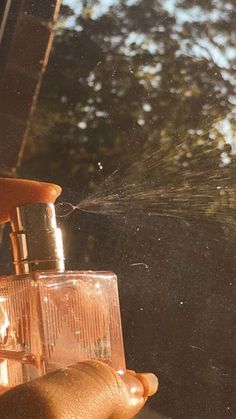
point(57, 188)
point(149, 382)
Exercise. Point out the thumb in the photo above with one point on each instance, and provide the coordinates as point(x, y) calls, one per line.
point(82, 391)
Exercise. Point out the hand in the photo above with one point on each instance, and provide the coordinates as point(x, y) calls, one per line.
point(88, 390)
point(17, 192)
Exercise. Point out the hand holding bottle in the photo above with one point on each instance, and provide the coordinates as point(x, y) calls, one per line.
point(89, 390)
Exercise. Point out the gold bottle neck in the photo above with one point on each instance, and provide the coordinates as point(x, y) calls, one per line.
point(36, 240)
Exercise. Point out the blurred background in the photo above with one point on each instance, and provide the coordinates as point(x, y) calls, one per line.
point(137, 109)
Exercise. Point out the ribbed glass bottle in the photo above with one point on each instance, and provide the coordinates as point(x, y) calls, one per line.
point(53, 319)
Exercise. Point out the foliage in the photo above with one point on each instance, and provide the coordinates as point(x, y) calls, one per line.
point(136, 76)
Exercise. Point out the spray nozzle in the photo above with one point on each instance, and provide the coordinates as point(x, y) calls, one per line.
point(17, 192)
point(36, 239)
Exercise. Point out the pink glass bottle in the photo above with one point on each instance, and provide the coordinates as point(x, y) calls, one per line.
point(50, 317)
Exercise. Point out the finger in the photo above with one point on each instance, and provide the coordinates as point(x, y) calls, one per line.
point(150, 383)
point(86, 390)
point(139, 387)
point(17, 192)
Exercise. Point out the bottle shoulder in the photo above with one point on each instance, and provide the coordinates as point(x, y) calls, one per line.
point(67, 276)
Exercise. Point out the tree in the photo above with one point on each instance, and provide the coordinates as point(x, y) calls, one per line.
point(140, 77)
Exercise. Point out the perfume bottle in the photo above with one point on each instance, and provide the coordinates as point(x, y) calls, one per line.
point(51, 317)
